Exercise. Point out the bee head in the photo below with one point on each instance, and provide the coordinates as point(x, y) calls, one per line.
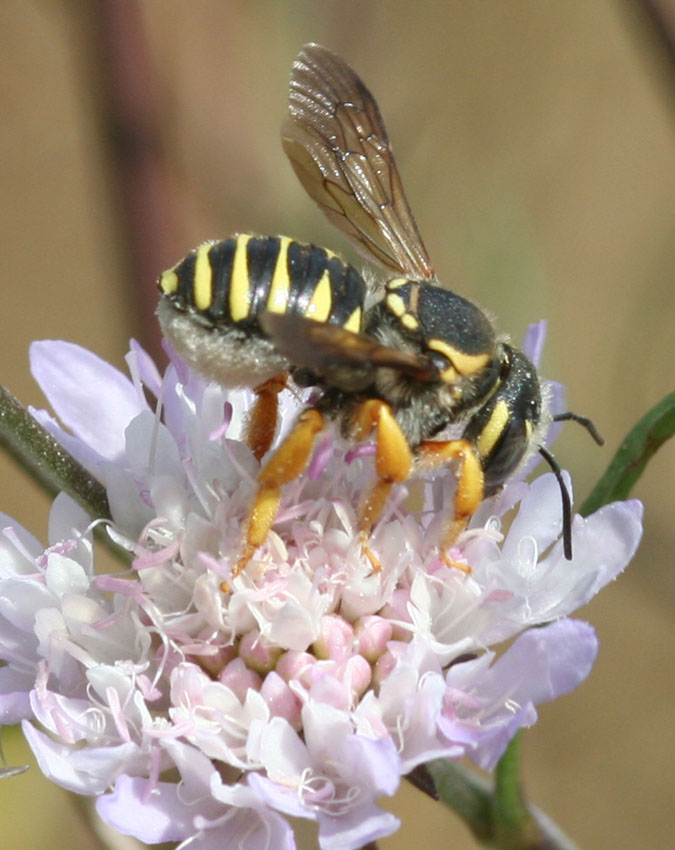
point(455, 334)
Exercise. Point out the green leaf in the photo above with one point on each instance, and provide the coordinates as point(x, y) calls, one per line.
point(628, 464)
point(46, 460)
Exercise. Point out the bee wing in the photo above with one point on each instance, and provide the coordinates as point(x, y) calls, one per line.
point(321, 347)
point(338, 146)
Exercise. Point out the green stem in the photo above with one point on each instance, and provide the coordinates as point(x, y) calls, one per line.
point(46, 460)
point(467, 794)
point(510, 814)
point(498, 817)
point(517, 825)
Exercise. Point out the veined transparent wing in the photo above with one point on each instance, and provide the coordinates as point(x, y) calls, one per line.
point(337, 143)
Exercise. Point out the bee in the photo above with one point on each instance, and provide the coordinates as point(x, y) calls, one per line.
point(399, 362)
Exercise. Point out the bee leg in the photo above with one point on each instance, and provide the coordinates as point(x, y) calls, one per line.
point(287, 462)
point(262, 421)
point(393, 463)
point(470, 486)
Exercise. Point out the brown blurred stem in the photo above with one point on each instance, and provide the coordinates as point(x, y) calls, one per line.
point(657, 18)
point(661, 17)
point(129, 117)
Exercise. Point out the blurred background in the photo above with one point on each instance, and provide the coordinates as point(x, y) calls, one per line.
point(537, 146)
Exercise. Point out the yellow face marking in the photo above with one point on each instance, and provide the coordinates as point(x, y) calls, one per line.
point(168, 282)
point(465, 364)
point(321, 301)
point(396, 304)
point(528, 428)
point(240, 289)
point(410, 322)
point(202, 282)
point(353, 323)
point(493, 430)
point(449, 375)
point(277, 300)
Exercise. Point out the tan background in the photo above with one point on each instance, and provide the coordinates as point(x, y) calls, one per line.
point(537, 144)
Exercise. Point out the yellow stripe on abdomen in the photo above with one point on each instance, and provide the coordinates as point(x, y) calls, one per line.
point(277, 299)
point(321, 302)
point(353, 323)
point(202, 282)
point(240, 289)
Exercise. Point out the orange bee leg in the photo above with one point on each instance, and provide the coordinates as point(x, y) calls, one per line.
point(287, 462)
point(470, 486)
point(393, 463)
point(262, 421)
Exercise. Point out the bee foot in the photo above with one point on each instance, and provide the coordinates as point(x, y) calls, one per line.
point(458, 565)
point(240, 566)
point(367, 551)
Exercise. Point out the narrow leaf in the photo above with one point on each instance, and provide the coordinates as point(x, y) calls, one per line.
point(628, 464)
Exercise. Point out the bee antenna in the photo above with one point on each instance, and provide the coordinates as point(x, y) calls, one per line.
point(566, 501)
point(584, 421)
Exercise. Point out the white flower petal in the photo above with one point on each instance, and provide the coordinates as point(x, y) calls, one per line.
point(308, 684)
point(87, 771)
point(93, 399)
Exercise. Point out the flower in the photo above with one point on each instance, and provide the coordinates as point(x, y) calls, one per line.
point(310, 688)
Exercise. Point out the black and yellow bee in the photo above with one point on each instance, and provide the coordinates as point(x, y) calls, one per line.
point(402, 361)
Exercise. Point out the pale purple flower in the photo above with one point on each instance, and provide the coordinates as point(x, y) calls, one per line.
point(206, 718)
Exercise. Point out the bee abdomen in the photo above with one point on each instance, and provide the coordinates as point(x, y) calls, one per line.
point(230, 282)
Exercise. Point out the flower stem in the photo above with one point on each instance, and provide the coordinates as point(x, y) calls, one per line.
point(466, 794)
point(510, 814)
point(515, 828)
point(45, 459)
point(499, 817)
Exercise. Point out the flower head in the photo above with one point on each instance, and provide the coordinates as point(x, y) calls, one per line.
point(314, 684)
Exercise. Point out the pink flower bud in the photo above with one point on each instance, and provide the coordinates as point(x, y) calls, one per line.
point(281, 700)
point(239, 678)
point(294, 664)
point(214, 663)
point(336, 639)
point(256, 652)
point(356, 674)
point(373, 633)
point(383, 667)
